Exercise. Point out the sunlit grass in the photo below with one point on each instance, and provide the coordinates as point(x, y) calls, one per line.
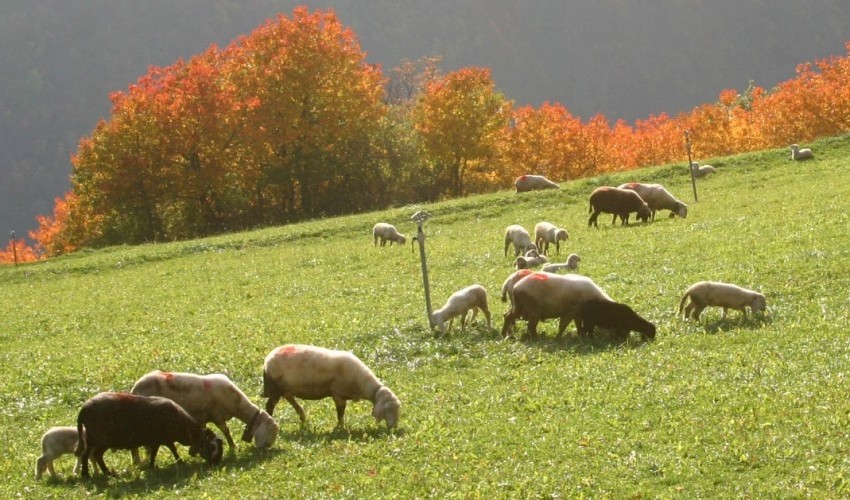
point(751, 407)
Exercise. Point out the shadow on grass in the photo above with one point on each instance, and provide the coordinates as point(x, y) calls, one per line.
point(305, 435)
point(736, 323)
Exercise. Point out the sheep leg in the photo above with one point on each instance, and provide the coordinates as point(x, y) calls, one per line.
point(98, 457)
point(592, 220)
point(698, 308)
point(134, 453)
point(508, 325)
point(77, 465)
point(298, 409)
point(340, 411)
point(725, 311)
point(40, 465)
point(271, 403)
point(226, 431)
point(532, 328)
point(173, 449)
point(486, 312)
point(564, 322)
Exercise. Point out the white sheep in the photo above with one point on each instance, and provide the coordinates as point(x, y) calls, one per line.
point(471, 298)
point(725, 295)
point(533, 183)
point(700, 171)
point(570, 265)
point(57, 441)
point(517, 236)
point(309, 372)
point(541, 296)
point(387, 232)
point(532, 258)
point(801, 154)
point(546, 233)
point(210, 398)
point(658, 198)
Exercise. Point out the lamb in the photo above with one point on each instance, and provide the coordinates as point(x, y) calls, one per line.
point(115, 420)
point(620, 202)
point(311, 372)
point(210, 398)
point(725, 295)
point(540, 296)
point(700, 171)
point(525, 183)
point(658, 198)
point(801, 154)
point(546, 233)
point(519, 237)
point(571, 264)
point(618, 317)
point(387, 232)
point(473, 297)
point(531, 259)
point(57, 441)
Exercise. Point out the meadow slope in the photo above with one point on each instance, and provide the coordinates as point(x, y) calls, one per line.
point(753, 407)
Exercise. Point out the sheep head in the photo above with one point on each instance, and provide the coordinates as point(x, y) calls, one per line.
point(212, 447)
point(386, 407)
point(759, 304)
point(262, 429)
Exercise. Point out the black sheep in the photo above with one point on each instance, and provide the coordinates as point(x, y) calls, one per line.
point(115, 420)
point(615, 316)
point(617, 201)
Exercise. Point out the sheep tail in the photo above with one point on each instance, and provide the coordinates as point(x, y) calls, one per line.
point(81, 439)
point(682, 302)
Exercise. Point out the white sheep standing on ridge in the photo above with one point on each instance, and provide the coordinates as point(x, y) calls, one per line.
point(546, 233)
point(529, 182)
point(57, 441)
point(517, 236)
point(387, 232)
point(801, 154)
point(471, 298)
point(725, 295)
point(700, 171)
point(309, 372)
point(570, 265)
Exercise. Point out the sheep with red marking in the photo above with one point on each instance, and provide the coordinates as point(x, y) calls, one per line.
point(123, 421)
point(657, 198)
point(570, 265)
point(726, 295)
point(546, 233)
point(517, 236)
point(211, 398)
point(387, 232)
point(620, 202)
point(55, 442)
point(529, 182)
point(309, 372)
point(540, 296)
point(620, 318)
point(471, 298)
point(700, 171)
point(798, 154)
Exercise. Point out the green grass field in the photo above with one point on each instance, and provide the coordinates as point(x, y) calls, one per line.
point(754, 407)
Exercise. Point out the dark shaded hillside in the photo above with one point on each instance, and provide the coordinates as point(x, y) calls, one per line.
point(59, 59)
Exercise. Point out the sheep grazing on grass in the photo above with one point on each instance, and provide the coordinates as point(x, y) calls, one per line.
point(309, 372)
point(620, 202)
point(540, 296)
point(471, 298)
point(614, 316)
point(57, 441)
point(531, 259)
point(546, 233)
point(657, 198)
point(570, 265)
point(210, 398)
point(700, 171)
point(801, 154)
point(114, 420)
point(517, 236)
point(726, 295)
point(525, 183)
point(387, 232)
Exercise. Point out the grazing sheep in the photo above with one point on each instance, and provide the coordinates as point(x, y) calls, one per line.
point(519, 237)
point(525, 183)
point(310, 372)
point(571, 264)
point(387, 232)
point(657, 198)
point(115, 420)
point(540, 296)
point(725, 295)
point(531, 259)
point(801, 154)
point(615, 316)
point(620, 202)
point(210, 398)
point(700, 171)
point(57, 441)
point(473, 297)
point(546, 233)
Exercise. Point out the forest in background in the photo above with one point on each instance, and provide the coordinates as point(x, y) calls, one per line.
point(62, 59)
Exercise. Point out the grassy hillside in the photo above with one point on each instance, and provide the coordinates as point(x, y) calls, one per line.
point(740, 407)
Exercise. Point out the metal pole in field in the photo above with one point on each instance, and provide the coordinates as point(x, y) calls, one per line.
point(690, 163)
point(14, 246)
point(420, 217)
